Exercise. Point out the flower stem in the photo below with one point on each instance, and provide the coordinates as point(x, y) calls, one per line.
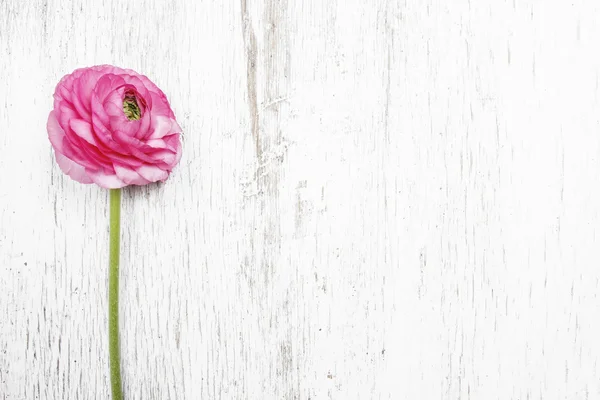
point(113, 295)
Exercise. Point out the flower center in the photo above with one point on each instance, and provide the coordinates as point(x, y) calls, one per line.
point(131, 109)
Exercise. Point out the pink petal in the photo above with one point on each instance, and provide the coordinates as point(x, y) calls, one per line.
point(113, 105)
point(160, 105)
point(173, 142)
point(106, 85)
point(166, 156)
point(152, 173)
point(178, 154)
point(142, 92)
point(98, 113)
point(163, 126)
point(55, 132)
point(83, 129)
point(106, 180)
point(125, 126)
point(129, 176)
point(111, 69)
point(71, 168)
point(83, 89)
point(150, 85)
point(127, 160)
point(144, 125)
point(64, 114)
point(156, 143)
point(133, 145)
point(78, 155)
point(79, 105)
point(64, 88)
point(100, 121)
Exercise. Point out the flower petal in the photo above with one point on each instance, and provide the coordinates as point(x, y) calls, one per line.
point(83, 129)
point(71, 168)
point(144, 125)
point(106, 85)
point(173, 142)
point(55, 132)
point(160, 104)
point(83, 88)
point(79, 155)
point(178, 154)
point(163, 126)
point(133, 145)
point(100, 121)
point(106, 180)
point(137, 85)
point(152, 173)
point(166, 156)
point(129, 176)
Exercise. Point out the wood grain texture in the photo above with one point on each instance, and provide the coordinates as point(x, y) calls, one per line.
point(377, 200)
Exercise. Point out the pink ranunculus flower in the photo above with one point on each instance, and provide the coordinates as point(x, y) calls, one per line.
point(113, 127)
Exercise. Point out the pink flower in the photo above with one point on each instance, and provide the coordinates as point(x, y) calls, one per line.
point(113, 127)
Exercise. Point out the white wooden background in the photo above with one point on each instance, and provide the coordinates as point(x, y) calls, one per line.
point(377, 200)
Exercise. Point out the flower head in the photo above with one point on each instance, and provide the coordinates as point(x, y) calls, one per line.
point(113, 127)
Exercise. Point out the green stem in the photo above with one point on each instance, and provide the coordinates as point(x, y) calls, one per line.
point(113, 295)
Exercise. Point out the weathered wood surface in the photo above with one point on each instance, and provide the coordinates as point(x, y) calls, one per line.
point(377, 200)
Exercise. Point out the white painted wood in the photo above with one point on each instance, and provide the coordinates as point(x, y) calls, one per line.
point(377, 200)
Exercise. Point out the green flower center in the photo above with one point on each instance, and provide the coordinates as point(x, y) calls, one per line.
point(131, 109)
